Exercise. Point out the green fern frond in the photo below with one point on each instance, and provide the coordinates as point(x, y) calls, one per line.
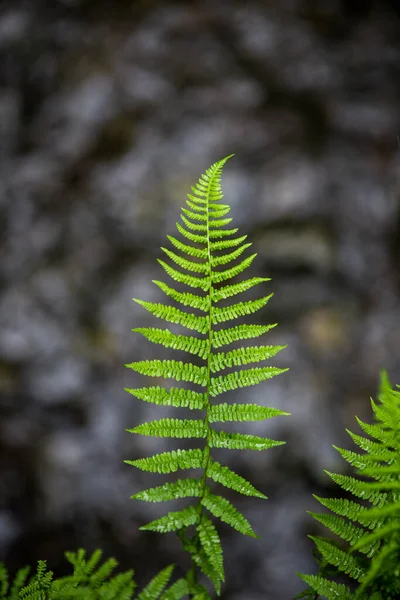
point(171, 369)
point(219, 276)
point(170, 462)
point(238, 333)
point(203, 303)
point(244, 378)
point(234, 311)
point(173, 428)
point(372, 533)
point(227, 291)
point(174, 315)
point(222, 413)
point(179, 397)
point(156, 586)
point(222, 508)
point(176, 591)
point(211, 544)
point(242, 356)
point(241, 441)
point(228, 478)
point(182, 488)
point(326, 588)
point(174, 521)
point(211, 251)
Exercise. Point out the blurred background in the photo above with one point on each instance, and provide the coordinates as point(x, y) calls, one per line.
point(109, 111)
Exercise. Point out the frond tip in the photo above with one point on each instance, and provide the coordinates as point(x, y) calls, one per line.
point(208, 261)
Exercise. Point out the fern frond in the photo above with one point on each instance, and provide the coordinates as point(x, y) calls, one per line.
point(377, 538)
point(173, 521)
point(211, 544)
point(177, 591)
point(244, 378)
point(156, 586)
point(178, 397)
point(344, 561)
point(241, 441)
point(234, 311)
point(171, 369)
point(193, 237)
point(242, 356)
point(201, 302)
point(178, 342)
point(326, 588)
point(173, 428)
point(170, 462)
point(202, 283)
point(222, 508)
point(174, 315)
point(224, 244)
point(221, 413)
point(184, 263)
point(240, 332)
point(182, 488)
point(219, 276)
point(208, 250)
point(227, 258)
point(228, 478)
point(190, 250)
point(227, 291)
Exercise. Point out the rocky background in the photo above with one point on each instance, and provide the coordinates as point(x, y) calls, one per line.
point(109, 110)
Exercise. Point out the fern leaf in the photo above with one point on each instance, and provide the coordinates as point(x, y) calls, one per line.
point(196, 267)
point(327, 589)
point(182, 488)
point(345, 529)
point(228, 478)
point(223, 509)
point(156, 586)
point(201, 559)
point(219, 276)
point(221, 413)
point(208, 248)
point(244, 378)
point(173, 315)
point(222, 233)
point(240, 441)
point(240, 332)
point(173, 428)
point(355, 486)
point(234, 311)
point(225, 244)
point(342, 507)
point(201, 302)
point(173, 521)
point(237, 288)
point(168, 339)
point(190, 250)
point(242, 356)
point(193, 237)
point(176, 591)
point(178, 397)
point(211, 544)
point(171, 369)
point(227, 258)
point(170, 462)
point(202, 283)
point(345, 562)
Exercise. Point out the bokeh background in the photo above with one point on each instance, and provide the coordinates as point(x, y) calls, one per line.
point(109, 110)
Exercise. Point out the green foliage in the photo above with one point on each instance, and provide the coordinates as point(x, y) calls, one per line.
point(90, 580)
point(207, 259)
point(371, 532)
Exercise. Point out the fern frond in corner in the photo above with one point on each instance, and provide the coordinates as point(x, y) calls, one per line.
point(205, 265)
point(89, 581)
point(371, 532)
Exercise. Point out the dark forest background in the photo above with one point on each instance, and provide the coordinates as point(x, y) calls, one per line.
point(109, 110)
